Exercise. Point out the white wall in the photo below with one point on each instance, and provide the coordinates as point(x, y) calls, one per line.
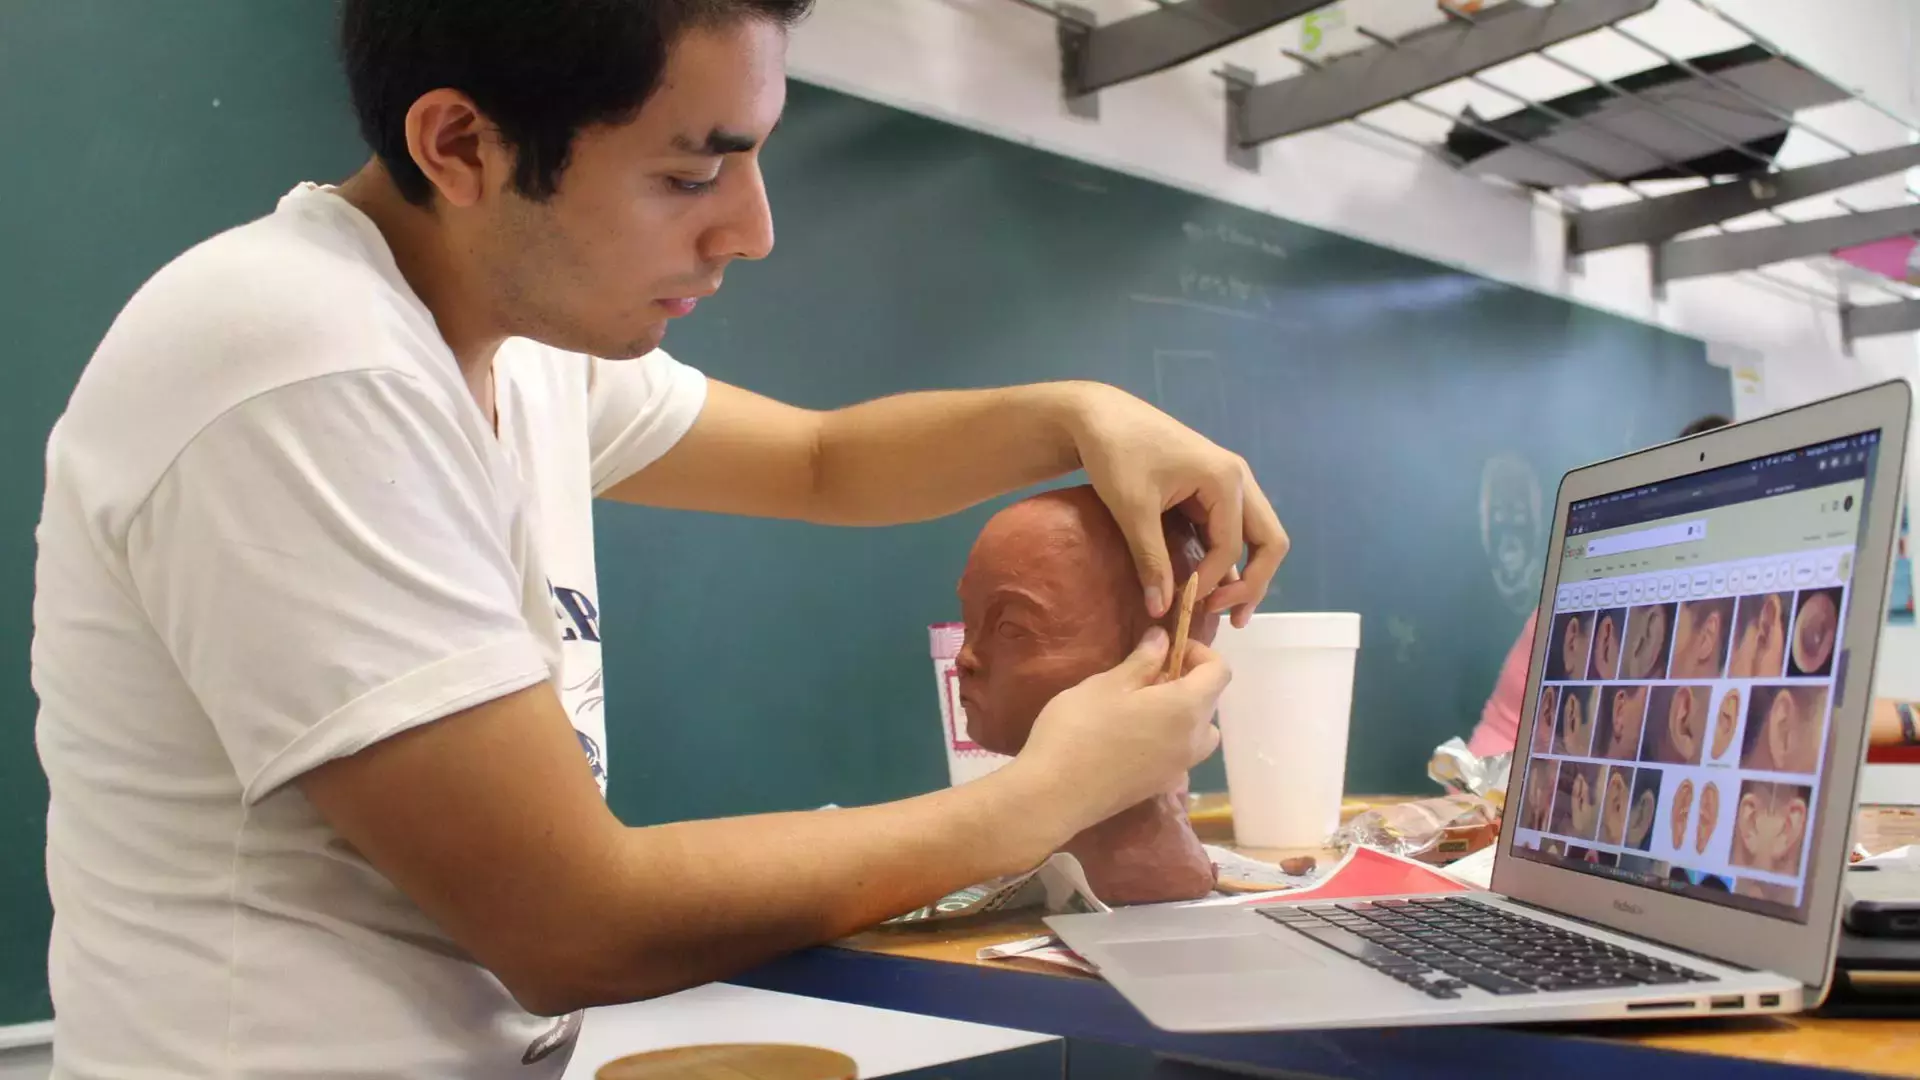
point(992, 65)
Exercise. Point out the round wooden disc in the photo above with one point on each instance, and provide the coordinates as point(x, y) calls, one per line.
point(733, 1061)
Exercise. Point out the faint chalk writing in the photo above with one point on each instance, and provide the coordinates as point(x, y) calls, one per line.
point(1221, 232)
point(1405, 637)
point(1513, 531)
point(1207, 286)
point(1217, 309)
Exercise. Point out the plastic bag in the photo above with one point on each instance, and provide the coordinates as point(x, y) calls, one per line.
point(1445, 827)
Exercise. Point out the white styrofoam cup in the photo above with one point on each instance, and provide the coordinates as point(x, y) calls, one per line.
point(1283, 724)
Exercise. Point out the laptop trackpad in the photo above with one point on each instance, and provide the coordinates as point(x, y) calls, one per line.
point(1237, 954)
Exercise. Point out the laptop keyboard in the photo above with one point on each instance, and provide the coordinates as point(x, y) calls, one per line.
point(1444, 945)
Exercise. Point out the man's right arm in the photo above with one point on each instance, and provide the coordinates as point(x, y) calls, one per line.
point(330, 568)
point(489, 821)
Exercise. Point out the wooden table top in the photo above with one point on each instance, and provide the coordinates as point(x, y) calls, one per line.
point(1878, 1047)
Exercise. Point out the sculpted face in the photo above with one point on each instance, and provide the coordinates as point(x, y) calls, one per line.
point(1050, 598)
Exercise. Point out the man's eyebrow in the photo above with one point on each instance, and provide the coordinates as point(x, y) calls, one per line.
point(719, 142)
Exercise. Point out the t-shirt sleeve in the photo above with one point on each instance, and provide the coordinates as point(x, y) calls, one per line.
point(330, 564)
point(638, 410)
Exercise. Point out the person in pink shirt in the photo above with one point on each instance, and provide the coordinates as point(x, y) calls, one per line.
point(1499, 722)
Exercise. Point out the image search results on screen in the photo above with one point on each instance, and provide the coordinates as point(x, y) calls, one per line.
point(1685, 699)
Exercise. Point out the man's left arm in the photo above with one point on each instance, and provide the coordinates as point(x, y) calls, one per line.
point(918, 456)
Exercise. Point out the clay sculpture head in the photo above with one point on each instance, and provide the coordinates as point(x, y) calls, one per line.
point(1050, 598)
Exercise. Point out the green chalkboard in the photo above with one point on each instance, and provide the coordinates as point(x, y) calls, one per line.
point(1408, 419)
point(132, 131)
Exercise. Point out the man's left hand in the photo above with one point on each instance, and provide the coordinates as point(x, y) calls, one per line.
point(1144, 463)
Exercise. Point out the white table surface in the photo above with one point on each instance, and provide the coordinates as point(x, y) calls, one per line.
point(878, 1040)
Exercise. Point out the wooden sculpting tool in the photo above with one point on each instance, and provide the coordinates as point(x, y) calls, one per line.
point(1176, 657)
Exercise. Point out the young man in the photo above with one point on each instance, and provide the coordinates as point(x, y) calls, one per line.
point(317, 525)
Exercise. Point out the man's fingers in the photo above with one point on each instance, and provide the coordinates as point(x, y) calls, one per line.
point(1146, 539)
point(1223, 498)
point(1147, 661)
point(1209, 742)
point(1204, 673)
point(1267, 544)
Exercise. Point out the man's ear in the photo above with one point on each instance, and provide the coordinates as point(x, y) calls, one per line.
point(457, 147)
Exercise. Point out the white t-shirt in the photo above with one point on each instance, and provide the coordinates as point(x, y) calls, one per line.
point(278, 529)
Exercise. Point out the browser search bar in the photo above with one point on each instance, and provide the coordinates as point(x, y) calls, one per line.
point(1684, 532)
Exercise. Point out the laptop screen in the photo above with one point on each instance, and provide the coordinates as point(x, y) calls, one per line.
point(1684, 714)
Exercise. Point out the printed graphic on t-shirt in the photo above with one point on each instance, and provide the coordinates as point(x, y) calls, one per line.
point(585, 696)
point(579, 618)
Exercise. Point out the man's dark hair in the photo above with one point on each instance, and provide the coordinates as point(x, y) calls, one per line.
point(540, 71)
point(1704, 424)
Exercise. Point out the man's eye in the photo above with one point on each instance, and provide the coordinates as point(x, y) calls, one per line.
point(1011, 630)
point(693, 187)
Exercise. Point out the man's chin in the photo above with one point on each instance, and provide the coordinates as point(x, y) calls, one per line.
point(636, 348)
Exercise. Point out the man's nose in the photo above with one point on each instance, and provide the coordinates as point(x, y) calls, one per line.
point(746, 231)
point(967, 662)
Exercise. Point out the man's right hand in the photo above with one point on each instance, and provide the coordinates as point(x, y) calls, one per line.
point(1122, 736)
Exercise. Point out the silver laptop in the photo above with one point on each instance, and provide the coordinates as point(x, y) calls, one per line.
point(1678, 822)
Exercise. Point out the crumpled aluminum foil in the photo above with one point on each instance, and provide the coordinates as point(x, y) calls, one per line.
point(1476, 795)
